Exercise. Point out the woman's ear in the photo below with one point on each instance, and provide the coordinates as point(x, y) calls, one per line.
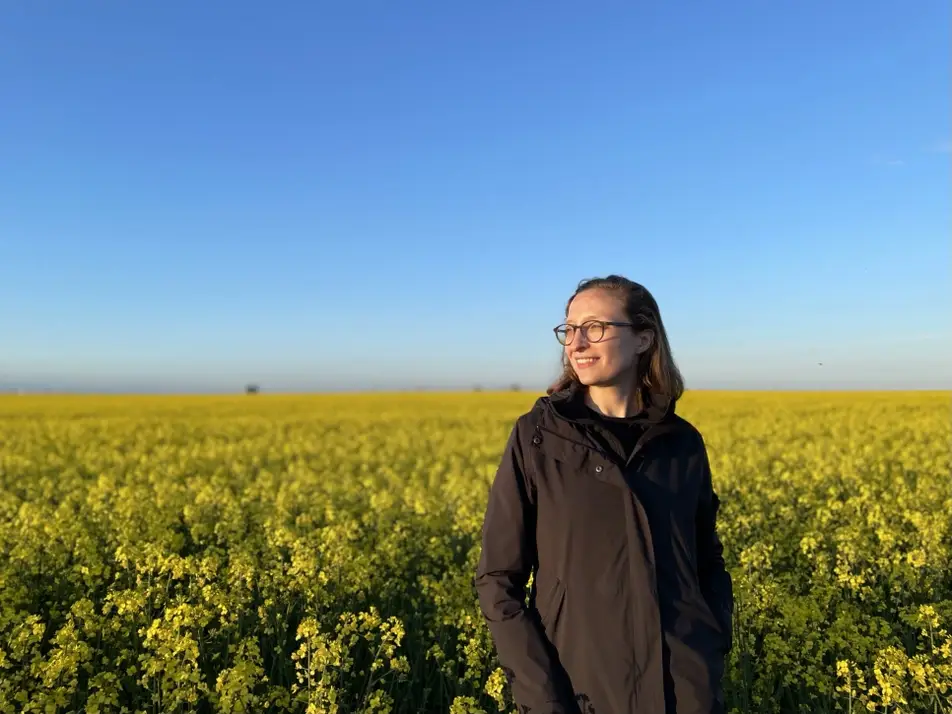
point(644, 340)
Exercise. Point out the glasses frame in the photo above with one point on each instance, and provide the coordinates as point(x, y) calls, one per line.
point(585, 327)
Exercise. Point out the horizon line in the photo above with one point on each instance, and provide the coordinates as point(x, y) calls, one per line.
point(429, 390)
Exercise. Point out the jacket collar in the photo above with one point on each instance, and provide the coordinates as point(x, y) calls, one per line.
point(565, 415)
point(569, 404)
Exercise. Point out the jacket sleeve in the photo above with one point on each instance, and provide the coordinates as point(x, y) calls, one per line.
point(507, 558)
point(715, 581)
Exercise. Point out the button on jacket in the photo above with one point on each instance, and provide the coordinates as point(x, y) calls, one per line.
point(630, 607)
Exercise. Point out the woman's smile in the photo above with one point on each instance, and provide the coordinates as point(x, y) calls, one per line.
point(585, 362)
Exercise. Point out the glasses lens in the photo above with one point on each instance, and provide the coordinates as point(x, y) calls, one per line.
point(594, 331)
point(564, 334)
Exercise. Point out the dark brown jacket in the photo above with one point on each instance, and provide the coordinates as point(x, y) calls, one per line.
point(630, 607)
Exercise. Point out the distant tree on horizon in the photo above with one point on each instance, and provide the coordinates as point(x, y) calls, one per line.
point(252, 389)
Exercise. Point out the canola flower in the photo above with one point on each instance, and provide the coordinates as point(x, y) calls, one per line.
point(315, 554)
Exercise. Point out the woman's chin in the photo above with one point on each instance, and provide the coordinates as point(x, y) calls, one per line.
point(592, 379)
point(599, 378)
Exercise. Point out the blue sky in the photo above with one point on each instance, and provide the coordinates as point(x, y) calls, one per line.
point(389, 195)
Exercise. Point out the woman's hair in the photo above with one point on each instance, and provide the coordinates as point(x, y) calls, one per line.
point(656, 368)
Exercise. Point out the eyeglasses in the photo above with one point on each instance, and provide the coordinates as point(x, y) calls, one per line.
point(594, 330)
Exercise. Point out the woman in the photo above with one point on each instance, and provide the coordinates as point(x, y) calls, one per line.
point(604, 497)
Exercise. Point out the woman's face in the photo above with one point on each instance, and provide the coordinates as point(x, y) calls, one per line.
point(611, 360)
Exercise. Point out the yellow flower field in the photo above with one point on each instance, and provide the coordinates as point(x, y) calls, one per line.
point(315, 553)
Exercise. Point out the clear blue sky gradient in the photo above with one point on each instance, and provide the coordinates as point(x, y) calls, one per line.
point(194, 195)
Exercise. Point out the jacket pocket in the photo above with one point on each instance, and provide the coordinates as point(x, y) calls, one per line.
point(551, 608)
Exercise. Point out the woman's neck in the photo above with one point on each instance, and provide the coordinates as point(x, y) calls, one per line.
point(612, 400)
